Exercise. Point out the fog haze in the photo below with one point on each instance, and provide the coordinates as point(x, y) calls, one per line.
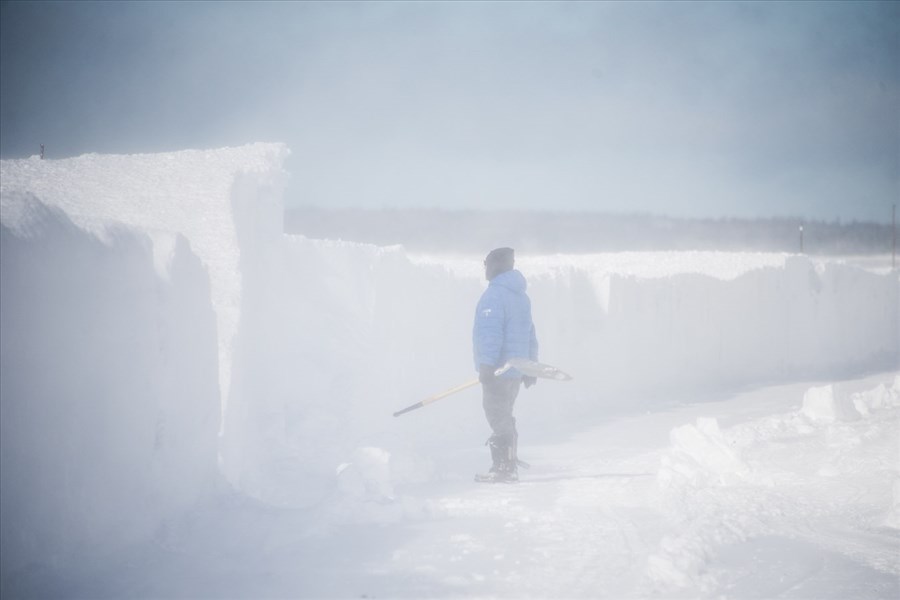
point(681, 109)
point(195, 403)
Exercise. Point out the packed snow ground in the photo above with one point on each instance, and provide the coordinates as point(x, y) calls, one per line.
point(776, 493)
point(194, 404)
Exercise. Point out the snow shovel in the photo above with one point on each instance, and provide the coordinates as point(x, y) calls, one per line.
point(523, 365)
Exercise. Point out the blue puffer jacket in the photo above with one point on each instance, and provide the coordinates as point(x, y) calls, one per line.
point(503, 326)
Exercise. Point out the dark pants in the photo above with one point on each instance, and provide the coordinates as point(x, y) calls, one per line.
point(498, 400)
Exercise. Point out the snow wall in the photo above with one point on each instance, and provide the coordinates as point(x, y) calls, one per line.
point(120, 298)
point(109, 396)
point(319, 342)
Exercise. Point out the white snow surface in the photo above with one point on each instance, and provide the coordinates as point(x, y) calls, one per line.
point(206, 195)
point(197, 405)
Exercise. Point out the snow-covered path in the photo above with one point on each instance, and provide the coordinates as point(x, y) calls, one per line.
point(775, 498)
point(576, 529)
point(788, 508)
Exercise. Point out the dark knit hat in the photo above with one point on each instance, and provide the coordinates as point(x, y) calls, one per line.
point(499, 261)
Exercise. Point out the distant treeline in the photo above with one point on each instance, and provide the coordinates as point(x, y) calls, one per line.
point(471, 232)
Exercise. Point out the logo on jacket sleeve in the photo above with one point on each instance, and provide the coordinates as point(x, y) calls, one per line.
point(486, 312)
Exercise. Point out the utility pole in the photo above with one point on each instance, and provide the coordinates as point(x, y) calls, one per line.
point(42, 152)
point(801, 239)
point(894, 237)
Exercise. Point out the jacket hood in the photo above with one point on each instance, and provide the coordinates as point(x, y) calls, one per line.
point(512, 280)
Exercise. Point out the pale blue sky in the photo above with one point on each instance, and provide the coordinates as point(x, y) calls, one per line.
point(685, 109)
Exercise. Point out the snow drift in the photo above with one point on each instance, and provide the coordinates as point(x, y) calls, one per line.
point(319, 341)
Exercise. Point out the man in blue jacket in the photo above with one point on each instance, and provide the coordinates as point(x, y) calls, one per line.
point(503, 330)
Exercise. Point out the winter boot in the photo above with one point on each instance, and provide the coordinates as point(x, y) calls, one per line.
point(503, 469)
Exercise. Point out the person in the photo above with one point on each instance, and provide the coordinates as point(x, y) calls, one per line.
point(503, 329)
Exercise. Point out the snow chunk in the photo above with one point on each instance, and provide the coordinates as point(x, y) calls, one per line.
point(825, 403)
point(368, 475)
point(365, 491)
point(878, 398)
point(700, 455)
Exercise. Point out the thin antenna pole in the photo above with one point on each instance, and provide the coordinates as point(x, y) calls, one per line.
point(894, 237)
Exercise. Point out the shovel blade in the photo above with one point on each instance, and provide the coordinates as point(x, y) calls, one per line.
point(536, 369)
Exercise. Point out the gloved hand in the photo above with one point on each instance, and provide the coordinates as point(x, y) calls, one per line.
point(486, 373)
point(529, 381)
